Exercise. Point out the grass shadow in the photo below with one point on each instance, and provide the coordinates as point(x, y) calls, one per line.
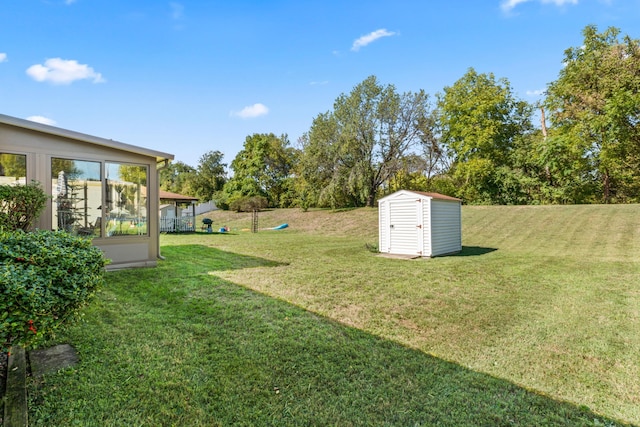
point(197, 257)
point(474, 251)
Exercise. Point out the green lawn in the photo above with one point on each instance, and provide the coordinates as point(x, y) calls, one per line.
point(536, 322)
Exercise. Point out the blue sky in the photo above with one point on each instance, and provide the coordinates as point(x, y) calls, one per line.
point(191, 76)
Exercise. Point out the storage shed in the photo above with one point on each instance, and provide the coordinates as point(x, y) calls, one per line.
point(419, 224)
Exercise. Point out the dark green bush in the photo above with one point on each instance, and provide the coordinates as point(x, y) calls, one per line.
point(20, 205)
point(45, 278)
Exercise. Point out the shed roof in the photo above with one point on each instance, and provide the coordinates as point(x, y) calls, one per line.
point(437, 196)
point(95, 140)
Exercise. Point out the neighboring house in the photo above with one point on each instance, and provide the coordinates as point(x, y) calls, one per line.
point(177, 212)
point(99, 188)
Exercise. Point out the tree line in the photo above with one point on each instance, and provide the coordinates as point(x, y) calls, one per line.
point(475, 140)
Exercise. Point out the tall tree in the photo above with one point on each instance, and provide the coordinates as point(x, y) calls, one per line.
point(480, 119)
point(596, 102)
point(262, 168)
point(436, 162)
point(358, 146)
point(210, 177)
point(178, 178)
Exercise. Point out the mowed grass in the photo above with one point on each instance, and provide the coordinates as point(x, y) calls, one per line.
point(536, 322)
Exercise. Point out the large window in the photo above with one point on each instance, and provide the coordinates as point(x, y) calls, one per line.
point(77, 197)
point(125, 199)
point(13, 169)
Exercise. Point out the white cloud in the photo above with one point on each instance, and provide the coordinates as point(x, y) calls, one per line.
point(177, 10)
point(255, 110)
point(371, 37)
point(3, 57)
point(536, 92)
point(43, 120)
point(63, 71)
point(508, 5)
point(560, 2)
point(319, 83)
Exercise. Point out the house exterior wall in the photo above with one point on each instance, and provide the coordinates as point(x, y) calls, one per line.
point(40, 147)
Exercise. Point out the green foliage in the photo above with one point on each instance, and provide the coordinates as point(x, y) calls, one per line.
point(404, 180)
point(596, 100)
point(480, 119)
point(350, 152)
point(20, 205)
point(178, 178)
point(209, 177)
point(248, 204)
point(263, 168)
point(133, 173)
point(14, 165)
point(372, 247)
point(45, 278)
point(203, 182)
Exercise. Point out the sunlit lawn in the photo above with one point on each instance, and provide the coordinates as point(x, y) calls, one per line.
point(536, 322)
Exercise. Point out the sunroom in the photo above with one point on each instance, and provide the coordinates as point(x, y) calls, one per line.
point(101, 189)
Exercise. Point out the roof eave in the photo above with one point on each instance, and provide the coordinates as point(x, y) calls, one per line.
point(78, 136)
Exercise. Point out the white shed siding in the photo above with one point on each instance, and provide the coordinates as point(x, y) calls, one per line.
point(383, 227)
point(403, 226)
point(425, 221)
point(446, 236)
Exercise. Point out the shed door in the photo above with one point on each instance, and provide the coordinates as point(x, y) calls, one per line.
point(404, 227)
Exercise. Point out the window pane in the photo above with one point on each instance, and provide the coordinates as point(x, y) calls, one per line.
point(76, 187)
point(13, 169)
point(126, 199)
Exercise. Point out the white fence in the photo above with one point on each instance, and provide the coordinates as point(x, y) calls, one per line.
point(177, 225)
point(206, 207)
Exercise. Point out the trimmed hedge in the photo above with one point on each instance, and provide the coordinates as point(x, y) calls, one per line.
point(45, 278)
point(20, 205)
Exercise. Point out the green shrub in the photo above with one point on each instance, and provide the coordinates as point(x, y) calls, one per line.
point(20, 205)
point(45, 278)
